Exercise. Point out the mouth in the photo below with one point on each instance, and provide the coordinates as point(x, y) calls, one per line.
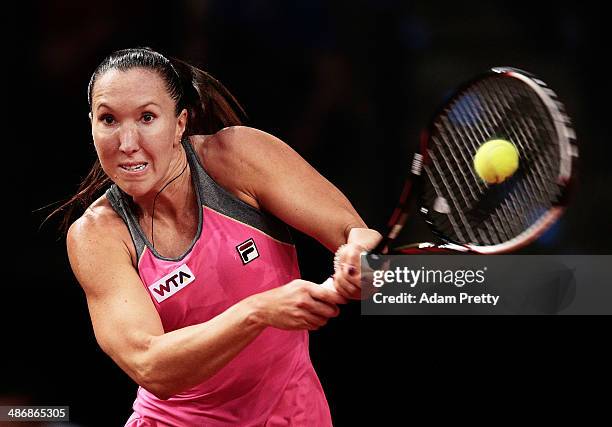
point(134, 167)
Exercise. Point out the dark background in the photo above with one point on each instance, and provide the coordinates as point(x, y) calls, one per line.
point(344, 83)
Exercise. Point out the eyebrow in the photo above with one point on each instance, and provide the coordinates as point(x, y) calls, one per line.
point(138, 108)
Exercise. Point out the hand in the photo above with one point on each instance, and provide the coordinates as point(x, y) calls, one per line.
point(347, 274)
point(351, 280)
point(297, 305)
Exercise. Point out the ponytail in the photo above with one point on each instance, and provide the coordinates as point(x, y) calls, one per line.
point(211, 106)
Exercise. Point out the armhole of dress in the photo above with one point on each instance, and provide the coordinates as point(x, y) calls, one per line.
point(115, 198)
point(216, 197)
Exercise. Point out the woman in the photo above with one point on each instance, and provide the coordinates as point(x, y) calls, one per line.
point(191, 279)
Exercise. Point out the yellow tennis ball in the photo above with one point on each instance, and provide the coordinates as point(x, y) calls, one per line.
point(496, 160)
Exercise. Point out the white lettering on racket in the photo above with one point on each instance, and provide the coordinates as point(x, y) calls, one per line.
point(417, 163)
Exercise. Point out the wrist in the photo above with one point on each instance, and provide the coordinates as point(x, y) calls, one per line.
point(256, 314)
point(364, 237)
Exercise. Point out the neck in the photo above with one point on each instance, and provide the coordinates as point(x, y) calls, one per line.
point(173, 198)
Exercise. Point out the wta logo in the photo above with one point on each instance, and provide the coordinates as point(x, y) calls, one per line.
point(248, 251)
point(171, 283)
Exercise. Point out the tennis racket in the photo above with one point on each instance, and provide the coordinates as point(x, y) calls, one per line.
point(466, 214)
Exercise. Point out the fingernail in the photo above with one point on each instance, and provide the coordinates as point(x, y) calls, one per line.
point(351, 270)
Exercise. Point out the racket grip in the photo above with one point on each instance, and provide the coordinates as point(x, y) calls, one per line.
point(329, 284)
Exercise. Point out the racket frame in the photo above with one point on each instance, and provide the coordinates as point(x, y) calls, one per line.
point(568, 155)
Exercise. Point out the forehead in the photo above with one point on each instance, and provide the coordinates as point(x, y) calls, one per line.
point(134, 86)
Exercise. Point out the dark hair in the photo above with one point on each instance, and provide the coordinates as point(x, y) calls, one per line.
point(210, 106)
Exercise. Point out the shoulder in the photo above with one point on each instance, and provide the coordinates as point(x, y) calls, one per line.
point(99, 229)
point(235, 144)
point(98, 218)
point(235, 134)
point(238, 157)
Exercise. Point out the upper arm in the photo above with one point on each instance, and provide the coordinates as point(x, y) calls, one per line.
point(283, 183)
point(123, 316)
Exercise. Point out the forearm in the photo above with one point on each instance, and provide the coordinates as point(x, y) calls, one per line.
point(188, 356)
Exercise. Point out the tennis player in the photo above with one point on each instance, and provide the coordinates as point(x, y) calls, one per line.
point(191, 278)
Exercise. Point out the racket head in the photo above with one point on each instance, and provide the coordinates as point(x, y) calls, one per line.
point(460, 208)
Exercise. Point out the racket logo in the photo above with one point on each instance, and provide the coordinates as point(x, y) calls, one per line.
point(247, 251)
point(417, 164)
point(171, 283)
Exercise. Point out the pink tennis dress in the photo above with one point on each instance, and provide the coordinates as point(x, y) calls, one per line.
point(238, 251)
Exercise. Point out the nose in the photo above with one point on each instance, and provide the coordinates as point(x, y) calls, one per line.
point(129, 139)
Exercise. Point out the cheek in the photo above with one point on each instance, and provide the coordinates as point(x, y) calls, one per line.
point(103, 144)
point(156, 137)
point(166, 132)
point(105, 150)
point(105, 157)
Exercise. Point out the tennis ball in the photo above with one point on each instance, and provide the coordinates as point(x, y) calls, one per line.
point(496, 160)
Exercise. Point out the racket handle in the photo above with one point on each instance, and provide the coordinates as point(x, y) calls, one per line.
point(329, 284)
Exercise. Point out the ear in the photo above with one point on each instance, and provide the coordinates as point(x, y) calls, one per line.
point(91, 123)
point(181, 124)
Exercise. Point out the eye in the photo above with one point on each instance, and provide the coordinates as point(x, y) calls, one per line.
point(107, 119)
point(148, 117)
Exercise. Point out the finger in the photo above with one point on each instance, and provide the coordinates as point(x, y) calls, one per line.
point(349, 276)
point(323, 309)
point(349, 265)
point(314, 321)
point(367, 284)
point(346, 288)
point(327, 295)
point(350, 273)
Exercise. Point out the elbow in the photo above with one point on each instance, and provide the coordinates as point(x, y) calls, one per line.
point(149, 375)
point(160, 388)
point(161, 394)
point(164, 385)
point(158, 391)
point(156, 381)
point(147, 369)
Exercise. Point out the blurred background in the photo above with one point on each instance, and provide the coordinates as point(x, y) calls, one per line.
point(343, 83)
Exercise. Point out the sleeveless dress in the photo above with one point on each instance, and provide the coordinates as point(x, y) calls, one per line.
point(237, 251)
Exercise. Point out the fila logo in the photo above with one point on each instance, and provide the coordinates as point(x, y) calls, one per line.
point(171, 283)
point(248, 251)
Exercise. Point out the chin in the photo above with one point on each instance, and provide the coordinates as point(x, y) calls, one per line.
point(135, 190)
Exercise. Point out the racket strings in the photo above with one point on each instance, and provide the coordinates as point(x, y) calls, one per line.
point(501, 218)
point(525, 130)
point(477, 213)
